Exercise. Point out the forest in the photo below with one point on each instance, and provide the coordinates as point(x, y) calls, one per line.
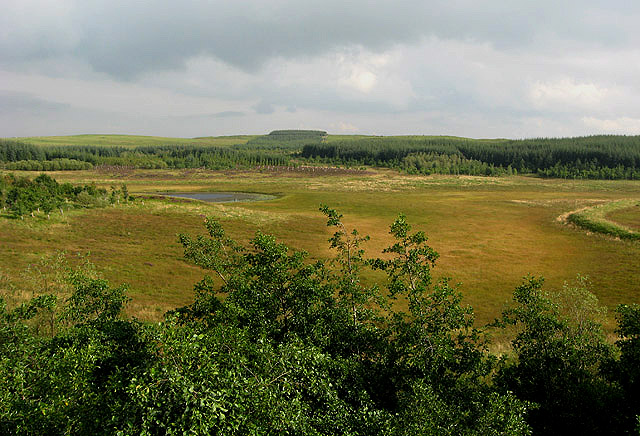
point(593, 157)
point(276, 343)
point(21, 156)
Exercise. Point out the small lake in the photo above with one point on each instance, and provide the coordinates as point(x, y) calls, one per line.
point(220, 197)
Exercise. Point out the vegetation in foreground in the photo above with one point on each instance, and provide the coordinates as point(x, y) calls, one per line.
point(274, 343)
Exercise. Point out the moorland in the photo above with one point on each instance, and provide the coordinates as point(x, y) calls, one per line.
point(537, 237)
point(490, 230)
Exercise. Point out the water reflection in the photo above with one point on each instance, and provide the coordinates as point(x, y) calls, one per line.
point(220, 197)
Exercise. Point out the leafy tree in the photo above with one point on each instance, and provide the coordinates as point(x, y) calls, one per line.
point(357, 298)
point(276, 344)
point(626, 371)
point(560, 352)
point(439, 360)
point(382, 368)
point(22, 195)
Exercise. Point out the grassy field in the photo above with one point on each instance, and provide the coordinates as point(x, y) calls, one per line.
point(598, 218)
point(137, 140)
point(628, 216)
point(134, 140)
point(490, 232)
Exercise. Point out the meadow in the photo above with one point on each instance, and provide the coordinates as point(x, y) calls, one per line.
point(132, 141)
point(490, 231)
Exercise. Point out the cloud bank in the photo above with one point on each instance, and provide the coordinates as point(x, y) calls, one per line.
point(482, 69)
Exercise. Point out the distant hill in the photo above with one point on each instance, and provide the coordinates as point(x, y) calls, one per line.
point(132, 141)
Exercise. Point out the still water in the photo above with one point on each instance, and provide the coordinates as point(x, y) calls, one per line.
point(220, 197)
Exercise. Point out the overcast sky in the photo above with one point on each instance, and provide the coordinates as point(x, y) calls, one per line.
point(517, 68)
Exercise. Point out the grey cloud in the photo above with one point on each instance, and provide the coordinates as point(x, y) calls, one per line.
point(228, 114)
point(264, 108)
point(25, 115)
point(223, 114)
point(25, 104)
point(440, 67)
point(126, 38)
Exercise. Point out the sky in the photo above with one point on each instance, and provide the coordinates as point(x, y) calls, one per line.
point(475, 68)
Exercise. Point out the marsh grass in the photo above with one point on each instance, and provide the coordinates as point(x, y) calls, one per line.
point(626, 216)
point(490, 232)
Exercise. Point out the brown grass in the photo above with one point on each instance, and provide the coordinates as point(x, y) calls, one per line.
point(628, 217)
point(490, 232)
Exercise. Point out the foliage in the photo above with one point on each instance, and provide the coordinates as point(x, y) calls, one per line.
point(22, 196)
point(378, 360)
point(286, 140)
point(72, 382)
point(626, 371)
point(560, 352)
point(592, 157)
point(24, 156)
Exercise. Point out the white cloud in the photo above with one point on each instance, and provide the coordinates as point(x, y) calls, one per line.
point(343, 127)
point(567, 93)
point(622, 125)
point(362, 80)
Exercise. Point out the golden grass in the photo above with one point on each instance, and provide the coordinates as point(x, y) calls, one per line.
point(490, 232)
point(626, 216)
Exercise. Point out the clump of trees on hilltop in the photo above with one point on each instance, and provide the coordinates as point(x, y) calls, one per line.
point(20, 196)
point(274, 344)
point(285, 140)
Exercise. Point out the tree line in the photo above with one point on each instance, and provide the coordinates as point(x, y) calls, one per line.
point(272, 149)
point(274, 343)
point(611, 157)
point(17, 155)
point(591, 157)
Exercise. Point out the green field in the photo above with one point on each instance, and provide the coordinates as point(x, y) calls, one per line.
point(490, 232)
point(134, 140)
point(139, 140)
